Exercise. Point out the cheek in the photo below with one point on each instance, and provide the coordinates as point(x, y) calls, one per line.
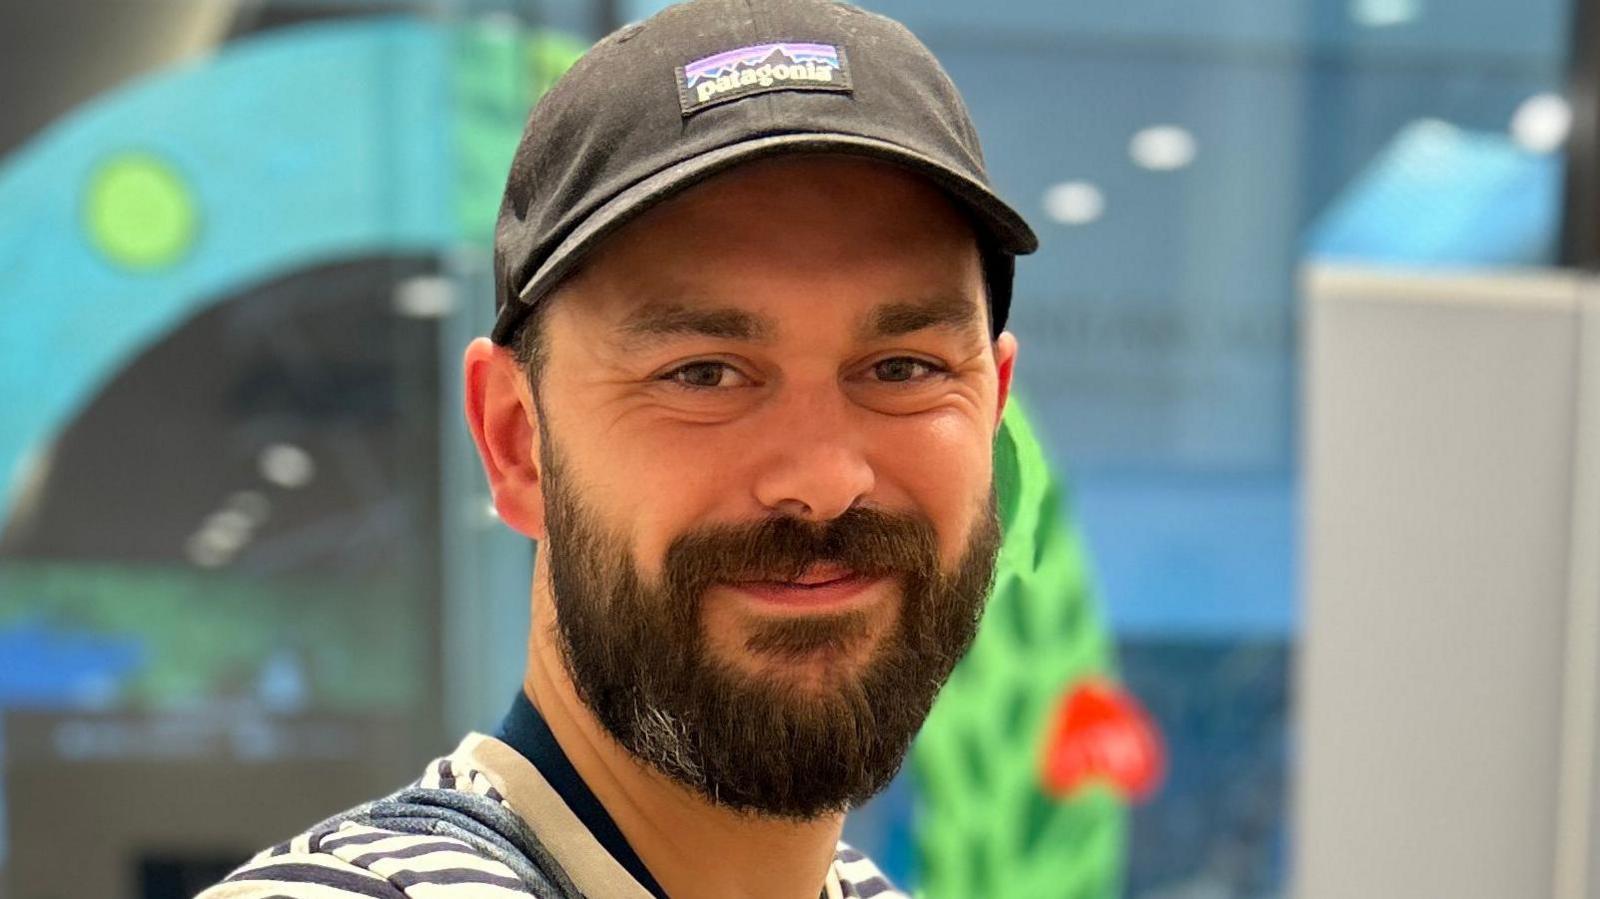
point(652, 492)
point(947, 476)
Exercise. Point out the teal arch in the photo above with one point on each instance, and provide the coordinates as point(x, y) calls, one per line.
point(307, 145)
point(313, 144)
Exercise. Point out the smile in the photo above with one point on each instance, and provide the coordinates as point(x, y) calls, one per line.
point(819, 588)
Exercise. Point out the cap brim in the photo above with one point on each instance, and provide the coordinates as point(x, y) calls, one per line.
point(1003, 226)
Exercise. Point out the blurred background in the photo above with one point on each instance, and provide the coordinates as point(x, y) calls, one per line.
point(1303, 350)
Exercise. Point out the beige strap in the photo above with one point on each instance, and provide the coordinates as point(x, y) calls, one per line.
point(591, 867)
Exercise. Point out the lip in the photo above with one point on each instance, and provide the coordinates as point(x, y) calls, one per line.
point(816, 590)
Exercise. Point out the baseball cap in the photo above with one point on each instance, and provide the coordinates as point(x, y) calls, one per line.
point(707, 85)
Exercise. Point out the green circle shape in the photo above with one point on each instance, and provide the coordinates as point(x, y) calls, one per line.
point(140, 213)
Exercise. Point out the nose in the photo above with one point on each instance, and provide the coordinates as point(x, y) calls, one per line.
point(816, 466)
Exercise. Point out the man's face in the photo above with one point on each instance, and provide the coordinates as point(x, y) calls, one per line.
point(766, 416)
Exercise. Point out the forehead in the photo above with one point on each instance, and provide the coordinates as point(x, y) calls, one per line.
point(803, 241)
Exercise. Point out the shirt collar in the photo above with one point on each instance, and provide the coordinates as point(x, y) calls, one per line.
point(526, 731)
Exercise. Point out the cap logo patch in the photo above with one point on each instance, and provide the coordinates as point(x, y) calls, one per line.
point(736, 74)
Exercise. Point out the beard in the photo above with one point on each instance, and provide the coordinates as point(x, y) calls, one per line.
point(641, 661)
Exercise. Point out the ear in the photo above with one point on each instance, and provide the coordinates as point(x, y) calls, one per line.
point(504, 425)
point(1005, 360)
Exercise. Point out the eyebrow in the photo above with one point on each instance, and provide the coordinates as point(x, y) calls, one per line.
point(950, 313)
point(655, 321)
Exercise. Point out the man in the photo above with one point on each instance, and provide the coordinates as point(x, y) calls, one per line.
point(743, 387)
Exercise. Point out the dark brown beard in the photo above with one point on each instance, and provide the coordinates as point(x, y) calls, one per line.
point(640, 661)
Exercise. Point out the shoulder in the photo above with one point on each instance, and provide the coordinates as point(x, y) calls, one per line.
point(342, 858)
point(859, 877)
point(354, 860)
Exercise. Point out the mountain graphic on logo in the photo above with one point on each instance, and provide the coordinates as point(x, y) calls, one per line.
point(777, 58)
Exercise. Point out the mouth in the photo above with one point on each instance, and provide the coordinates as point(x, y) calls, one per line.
point(819, 588)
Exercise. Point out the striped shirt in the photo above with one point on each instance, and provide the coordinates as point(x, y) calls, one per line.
point(342, 859)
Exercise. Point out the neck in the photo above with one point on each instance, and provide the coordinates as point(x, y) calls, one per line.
point(674, 830)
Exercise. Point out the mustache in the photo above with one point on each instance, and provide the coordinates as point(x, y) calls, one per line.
point(869, 542)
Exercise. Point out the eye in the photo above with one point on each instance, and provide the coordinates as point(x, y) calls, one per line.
point(706, 376)
point(902, 369)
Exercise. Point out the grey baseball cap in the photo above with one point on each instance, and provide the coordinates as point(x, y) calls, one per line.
point(707, 85)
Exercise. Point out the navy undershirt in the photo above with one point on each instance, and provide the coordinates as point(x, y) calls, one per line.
point(525, 730)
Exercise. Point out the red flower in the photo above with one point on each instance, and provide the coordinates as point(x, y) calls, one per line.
point(1101, 732)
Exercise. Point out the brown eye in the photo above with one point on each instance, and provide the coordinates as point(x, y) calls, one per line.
point(705, 376)
point(902, 368)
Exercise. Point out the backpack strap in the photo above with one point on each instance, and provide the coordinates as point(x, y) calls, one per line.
point(487, 826)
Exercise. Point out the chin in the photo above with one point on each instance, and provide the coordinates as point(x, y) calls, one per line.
point(811, 657)
point(825, 670)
